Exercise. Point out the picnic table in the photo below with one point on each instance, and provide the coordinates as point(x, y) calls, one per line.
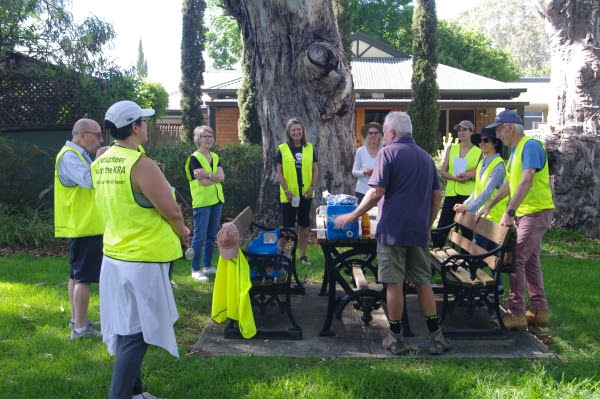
point(347, 261)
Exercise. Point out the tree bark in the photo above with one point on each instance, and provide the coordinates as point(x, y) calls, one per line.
point(299, 70)
point(574, 115)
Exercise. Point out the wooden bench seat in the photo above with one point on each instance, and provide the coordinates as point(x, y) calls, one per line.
point(271, 276)
point(470, 273)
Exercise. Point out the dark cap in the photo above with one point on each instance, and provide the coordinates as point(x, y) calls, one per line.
point(506, 116)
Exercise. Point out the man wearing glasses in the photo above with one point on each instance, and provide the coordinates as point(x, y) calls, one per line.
point(530, 209)
point(76, 217)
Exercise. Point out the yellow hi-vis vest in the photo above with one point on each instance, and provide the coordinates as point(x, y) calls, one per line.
point(204, 195)
point(454, 188)
point(539, 197)
point(133, 233)
point(75, 211)
point(289, 170)
point(231, 297)
point(496, 212)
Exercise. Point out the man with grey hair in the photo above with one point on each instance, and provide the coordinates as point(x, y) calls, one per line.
point(530, 209)
point(406, 181)
point(77, 218)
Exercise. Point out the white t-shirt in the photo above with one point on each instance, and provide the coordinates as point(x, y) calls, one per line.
point(362, 161)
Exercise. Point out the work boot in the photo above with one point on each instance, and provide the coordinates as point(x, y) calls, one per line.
point(516, 322)
point(537, 318)
point(438, 343)
point(395, 344)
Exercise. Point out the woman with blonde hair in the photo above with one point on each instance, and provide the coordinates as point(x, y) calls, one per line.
point(205, 176)
point(364, 160)
point(297, 173)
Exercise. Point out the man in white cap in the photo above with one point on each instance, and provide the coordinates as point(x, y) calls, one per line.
point(530, 208)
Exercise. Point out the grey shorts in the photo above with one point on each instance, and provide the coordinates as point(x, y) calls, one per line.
point(397, 263)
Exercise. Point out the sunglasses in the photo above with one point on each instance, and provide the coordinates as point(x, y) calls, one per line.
point(486, 139)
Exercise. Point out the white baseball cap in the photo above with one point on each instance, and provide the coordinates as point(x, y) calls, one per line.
point(124, 113)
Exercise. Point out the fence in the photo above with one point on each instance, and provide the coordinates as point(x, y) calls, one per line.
point(164, 133)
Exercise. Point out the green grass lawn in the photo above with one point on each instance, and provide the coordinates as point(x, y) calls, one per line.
point(37, 359)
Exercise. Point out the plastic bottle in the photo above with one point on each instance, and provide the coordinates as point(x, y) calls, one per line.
point(365, 223)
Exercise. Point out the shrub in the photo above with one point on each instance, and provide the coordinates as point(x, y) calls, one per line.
point(25, 171)
point(26, 226)
point(241, 163)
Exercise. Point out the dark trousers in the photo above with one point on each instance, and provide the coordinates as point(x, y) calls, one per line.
point(447, 218)
point(127, 372)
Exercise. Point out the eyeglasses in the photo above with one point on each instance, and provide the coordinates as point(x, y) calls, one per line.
point(98, 135)
point(486, 139)
point(500, 128)
point(206, 137)
point(373, 132)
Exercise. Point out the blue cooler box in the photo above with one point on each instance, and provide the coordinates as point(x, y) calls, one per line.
point(351, 229)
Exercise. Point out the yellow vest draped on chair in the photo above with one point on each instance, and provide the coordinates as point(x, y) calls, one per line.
point(231, 297)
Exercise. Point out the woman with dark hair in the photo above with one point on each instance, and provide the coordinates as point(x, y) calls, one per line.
point(364, 160)
point(459, 185)
point(489, 177)
point(144, 233)
point(297, 173)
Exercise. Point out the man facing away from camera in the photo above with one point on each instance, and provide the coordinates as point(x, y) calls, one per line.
point(76, 217)
point(406, 182)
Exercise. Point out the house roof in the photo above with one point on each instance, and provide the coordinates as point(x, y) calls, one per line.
point(391, 78)
point(380, 71)
point(366, 46)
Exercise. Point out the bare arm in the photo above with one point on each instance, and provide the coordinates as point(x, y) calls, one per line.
point(208, 179)
point(371, 199)
point(313, 183)
point(283, 183)
point(436, 201)
point(522, 189)
point(146, 178)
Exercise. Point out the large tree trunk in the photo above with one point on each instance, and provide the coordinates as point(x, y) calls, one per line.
point(574, 145)
point(299, 70)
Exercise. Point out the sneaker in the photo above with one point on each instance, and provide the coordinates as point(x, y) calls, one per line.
point(304, 260)
point(89, 322)
point(208, 271)
point(516, 322)
point(144, 395)
point(88, 332)
point(537, 318)
point(395, 344)
point(438, 343)
point(199, 276)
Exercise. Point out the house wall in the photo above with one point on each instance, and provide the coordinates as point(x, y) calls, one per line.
point(225, 125)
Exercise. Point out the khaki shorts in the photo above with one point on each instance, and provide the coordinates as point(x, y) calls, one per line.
point(397, 263)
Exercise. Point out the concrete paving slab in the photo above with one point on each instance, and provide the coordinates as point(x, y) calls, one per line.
point(354, 339)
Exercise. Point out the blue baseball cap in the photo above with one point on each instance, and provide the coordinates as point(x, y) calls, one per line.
point(506, 116)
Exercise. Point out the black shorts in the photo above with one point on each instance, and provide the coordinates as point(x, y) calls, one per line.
point(289, 213)
point(85, 258)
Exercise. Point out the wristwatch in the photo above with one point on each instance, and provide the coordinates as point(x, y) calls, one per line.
point(510, 212)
